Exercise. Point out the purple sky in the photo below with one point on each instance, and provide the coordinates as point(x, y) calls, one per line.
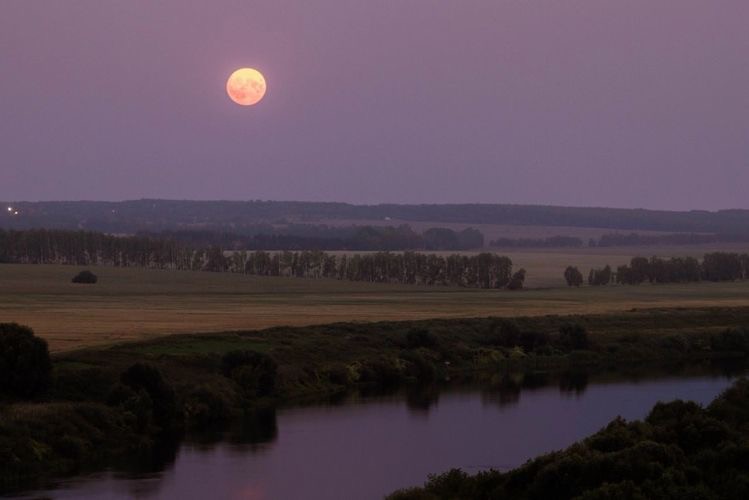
point(637, 103)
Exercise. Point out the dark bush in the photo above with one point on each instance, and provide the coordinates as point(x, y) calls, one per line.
point(418, 367)
point(25, 366)
point(733, 340)
point(420, 337)
point(86, 277)
point(531, 341)
point(338, 374)
point(206, 406)
point(574, 336)
point(146, 378)
point(381, 372)
point(255, 372)
point(504, 333)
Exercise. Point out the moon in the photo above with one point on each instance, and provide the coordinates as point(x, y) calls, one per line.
point(246, 86)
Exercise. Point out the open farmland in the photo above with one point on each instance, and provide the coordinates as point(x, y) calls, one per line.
point(130, 304)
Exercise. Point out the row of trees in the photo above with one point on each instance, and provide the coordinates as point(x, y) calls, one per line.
point(484, 270)
point(716, 266)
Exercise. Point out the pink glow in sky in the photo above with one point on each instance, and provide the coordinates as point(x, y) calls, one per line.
point(637, 103)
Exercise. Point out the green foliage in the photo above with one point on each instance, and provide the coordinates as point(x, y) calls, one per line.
point(573, 276)
point(151, 389)
point(599, 277)
point(731, 340)
point(679, 451)
point(85, 277)
point(254, 372)
point(418, 366)
point(420, 337)
point(207, 405)
point(574, 336)
point(25, 366)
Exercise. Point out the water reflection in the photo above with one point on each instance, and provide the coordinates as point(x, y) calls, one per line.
point(363, 445)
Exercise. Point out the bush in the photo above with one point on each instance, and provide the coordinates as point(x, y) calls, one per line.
point(574, 337)
point(86, 277)
point(146, 378)
point(421, 338)
point(255, 372)
point(733, 340)
point(25, 366)
point(531, 341)
point(504, 333)
point(418, 367)
point(206, 406)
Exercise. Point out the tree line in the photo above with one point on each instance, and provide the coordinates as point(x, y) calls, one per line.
point(485, 270)
point(715, 266)
point(135, 215)
point(311, 237)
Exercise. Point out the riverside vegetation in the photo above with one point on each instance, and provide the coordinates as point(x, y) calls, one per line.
point(94, 406)
point(680, 450)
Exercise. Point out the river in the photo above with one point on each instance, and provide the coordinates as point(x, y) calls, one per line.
point(365, 446)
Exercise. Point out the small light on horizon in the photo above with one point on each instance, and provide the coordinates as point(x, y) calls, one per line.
point(15, 213)
point(10, 209)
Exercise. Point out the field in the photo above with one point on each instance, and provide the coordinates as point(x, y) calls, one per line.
point(130, 304)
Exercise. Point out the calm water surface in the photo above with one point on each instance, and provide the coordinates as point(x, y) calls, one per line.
point(366, 447)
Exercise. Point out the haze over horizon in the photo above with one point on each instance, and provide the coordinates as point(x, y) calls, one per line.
point(635, 104)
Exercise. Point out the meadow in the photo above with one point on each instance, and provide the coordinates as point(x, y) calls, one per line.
point(131, 304)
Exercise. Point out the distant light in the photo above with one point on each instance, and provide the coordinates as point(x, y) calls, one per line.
point(15, 213)
point(10, 209)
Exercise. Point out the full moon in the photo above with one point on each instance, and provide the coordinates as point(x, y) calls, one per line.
point(246, 86)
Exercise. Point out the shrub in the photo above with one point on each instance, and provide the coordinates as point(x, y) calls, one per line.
point(733, 340)
point(255, 372)
point(418, 367)
point(574, 337)
point(145, 377)
point(504, 333)
point(206, 406)
point(25, 366)
point(85, 277)
point(531, 341)
point(420, 337)
point(381, 372)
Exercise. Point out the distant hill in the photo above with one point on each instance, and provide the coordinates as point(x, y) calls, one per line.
point(247, 216)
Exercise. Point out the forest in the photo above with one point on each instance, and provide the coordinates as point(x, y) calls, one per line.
point(237, 216)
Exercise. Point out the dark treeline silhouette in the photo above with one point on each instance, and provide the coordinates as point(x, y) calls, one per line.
point(716, 266)
point(309, 237)
point(550, 242)
point(635, 239)
point(484, 270)
point(234, 216)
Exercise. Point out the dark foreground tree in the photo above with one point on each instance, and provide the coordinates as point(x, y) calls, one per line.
point(573, 276)
point(25, 366)
point(86, 277)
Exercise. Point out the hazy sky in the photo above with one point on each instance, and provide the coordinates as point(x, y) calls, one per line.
point(636, 103)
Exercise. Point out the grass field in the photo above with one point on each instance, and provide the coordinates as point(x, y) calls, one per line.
point(130, 304)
